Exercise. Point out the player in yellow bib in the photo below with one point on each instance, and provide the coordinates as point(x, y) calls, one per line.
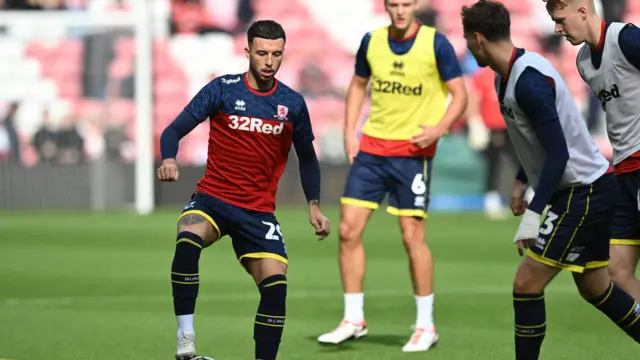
point(411, 69)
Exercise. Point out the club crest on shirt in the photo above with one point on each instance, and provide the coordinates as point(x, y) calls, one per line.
point(283, 111)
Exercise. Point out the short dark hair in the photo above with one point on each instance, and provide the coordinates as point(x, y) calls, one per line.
point(555, 4)
point(489, 18)
point(265, 29)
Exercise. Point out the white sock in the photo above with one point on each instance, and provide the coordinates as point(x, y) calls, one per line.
point(424, 318)
point(185, 324)
point(354, 308)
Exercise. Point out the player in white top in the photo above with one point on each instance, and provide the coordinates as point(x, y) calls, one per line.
point(562, 164)
point(609, 61)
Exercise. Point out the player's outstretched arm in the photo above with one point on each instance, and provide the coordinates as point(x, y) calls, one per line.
point(355, 98)
point(451, 73)
point(535, 95)
point(310, 179)
point(356, 94)
point(309, 170)
point(169, 143)
point(203, 105)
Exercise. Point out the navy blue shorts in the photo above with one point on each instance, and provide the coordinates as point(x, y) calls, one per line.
point(626, 221)
point(254, 234)
point(405, 179)
point(576, 230)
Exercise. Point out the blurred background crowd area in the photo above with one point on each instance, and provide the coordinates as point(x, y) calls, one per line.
point(67, 93)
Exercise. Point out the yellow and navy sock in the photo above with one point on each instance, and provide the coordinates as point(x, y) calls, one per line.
point(530, 325)
point(621, 308)
point(184, 273)
point(269, 324)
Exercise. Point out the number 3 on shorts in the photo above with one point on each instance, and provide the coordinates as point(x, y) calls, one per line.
point(271, 233)
point(547, 226)
point(418, 186)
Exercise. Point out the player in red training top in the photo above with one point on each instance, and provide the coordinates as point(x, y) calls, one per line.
point(254, 119)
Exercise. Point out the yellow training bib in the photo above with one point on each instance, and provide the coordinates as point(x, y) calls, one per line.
point(406, 90)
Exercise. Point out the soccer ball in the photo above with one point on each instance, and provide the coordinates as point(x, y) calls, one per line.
point(202, 358)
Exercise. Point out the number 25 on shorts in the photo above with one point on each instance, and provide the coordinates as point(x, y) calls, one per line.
point(271, 233)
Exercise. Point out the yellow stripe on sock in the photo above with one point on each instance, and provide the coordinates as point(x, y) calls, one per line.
point(181, 282)
point(629, 313)
point(190, 242)
point(530, 336)
point(273, 325)
point(179, 274)
point(271, 316)
point(633, 322)
point(279, 282)
point(607, 296)
point(531, 327)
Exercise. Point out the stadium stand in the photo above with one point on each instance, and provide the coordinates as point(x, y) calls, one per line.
point(322, 39)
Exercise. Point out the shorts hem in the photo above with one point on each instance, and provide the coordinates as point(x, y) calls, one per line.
point(204, 215)
point(629, 242)
point(573, 268)
point(264, 255)
point(407, 212)
point(359, 203)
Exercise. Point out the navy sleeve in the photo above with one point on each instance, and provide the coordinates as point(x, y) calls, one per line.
point(309, 166)
point(446, 58)
point(362, 65)
point(206, 101)
point(170, 138)
point(302, 130)
point(629, 40)
point(536, 96)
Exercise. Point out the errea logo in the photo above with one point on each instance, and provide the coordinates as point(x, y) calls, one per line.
point(240, 105)
point(230, 81)
point(245, 123)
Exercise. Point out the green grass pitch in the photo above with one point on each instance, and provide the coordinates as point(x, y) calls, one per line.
point(96, 286)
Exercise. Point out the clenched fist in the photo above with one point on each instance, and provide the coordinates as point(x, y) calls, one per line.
point(168, 171)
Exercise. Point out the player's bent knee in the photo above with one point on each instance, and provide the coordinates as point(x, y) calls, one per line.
point(533, 277)
point(199, 225)
point(592, 283)
point(263, 268)
point(621, 274)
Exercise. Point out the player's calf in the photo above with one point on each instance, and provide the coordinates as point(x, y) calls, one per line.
point(596, 287)
point(270, 317)
point(622, 268)
point(194, 234)
point(421, 266)
point(529, 307)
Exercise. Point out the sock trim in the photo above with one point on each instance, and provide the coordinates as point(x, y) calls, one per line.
point(190, 238)
point(272, 325)
point(531, 326)
point(527, 297)
point(279, 279)
point(531, 335)
point(272, 316)
point(180, 274)
point(606, 295)
point(635, 303)
point(189, 242)
point(633, 322)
